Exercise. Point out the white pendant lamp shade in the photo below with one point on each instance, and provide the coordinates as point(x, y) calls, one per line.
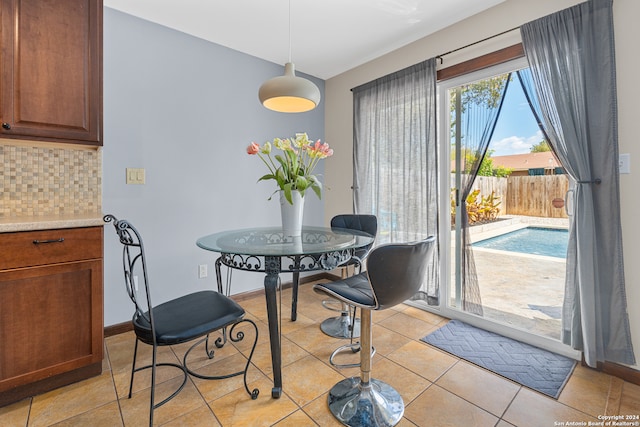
point(288, 93)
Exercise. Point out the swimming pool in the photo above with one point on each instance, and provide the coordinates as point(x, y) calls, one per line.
point(531, 240)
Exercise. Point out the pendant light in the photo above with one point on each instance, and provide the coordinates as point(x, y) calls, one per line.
point(289, 93)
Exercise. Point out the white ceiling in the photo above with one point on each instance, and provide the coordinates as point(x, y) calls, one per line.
point(328, 37)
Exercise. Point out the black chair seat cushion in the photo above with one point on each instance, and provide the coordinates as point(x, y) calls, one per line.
point(188, 317)
point(354, 290)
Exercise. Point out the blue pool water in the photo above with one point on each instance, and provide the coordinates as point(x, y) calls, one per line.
point(530, 240)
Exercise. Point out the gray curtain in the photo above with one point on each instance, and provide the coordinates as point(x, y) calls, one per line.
point(571, 56)
point(395, 168)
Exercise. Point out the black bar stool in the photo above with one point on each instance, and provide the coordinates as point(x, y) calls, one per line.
point(395, 272)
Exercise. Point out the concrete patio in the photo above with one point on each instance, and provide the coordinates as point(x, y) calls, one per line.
point(521, 290)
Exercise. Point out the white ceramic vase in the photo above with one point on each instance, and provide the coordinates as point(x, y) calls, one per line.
point(292, 214)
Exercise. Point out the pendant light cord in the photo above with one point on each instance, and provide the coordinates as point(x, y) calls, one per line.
point(289, 30)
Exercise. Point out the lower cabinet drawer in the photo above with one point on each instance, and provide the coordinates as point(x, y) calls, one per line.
point(31, 248)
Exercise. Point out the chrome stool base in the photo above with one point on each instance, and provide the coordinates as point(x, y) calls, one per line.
point(339, 327)
point(372, 404)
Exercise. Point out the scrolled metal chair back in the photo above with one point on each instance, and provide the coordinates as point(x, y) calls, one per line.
point(133, 260)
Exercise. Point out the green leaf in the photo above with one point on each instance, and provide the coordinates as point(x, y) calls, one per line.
point(316, 186)
point(302, 183)
point(287, 192)
point(267, 177)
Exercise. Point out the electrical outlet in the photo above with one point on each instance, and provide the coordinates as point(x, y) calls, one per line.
point(202, 271)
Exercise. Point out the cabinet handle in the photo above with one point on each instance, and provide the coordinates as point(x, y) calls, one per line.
point(6, 126)
point(37, 242)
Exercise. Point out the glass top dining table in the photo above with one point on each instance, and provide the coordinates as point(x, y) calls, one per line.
point(268, 250)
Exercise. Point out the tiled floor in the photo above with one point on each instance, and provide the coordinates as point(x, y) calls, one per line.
point(438, 389)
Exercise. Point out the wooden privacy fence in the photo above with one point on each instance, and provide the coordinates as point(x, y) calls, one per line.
point(534, 195)
point(526, 195)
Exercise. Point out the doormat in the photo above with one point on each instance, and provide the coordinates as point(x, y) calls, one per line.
point(533, 367)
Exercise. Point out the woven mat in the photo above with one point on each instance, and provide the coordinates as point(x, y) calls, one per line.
point(525, 364)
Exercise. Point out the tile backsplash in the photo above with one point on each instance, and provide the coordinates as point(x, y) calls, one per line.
point(38, 181)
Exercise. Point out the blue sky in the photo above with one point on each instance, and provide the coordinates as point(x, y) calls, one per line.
point(516, 130)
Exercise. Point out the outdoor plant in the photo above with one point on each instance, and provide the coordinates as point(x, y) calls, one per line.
point(292, 168)
point(479, 208)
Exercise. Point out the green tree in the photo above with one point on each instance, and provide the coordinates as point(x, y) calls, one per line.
point(541, 147)
point(487, 167)
point(485, 92)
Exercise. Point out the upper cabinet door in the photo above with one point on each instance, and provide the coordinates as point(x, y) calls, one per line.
point(51, 60)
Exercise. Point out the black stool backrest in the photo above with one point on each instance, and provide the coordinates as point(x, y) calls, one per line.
point(397, 270)
point(366, 223)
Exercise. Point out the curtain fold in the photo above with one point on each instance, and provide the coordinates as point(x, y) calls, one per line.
point(395, 168)
point(572, 62)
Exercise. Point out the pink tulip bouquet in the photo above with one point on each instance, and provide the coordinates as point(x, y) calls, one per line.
point(293, 168)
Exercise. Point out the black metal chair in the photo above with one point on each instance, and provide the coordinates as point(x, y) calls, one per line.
point(177, 321)
point(347, 325)
point(395, 272)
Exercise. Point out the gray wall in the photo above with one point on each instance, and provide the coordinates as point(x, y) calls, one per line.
point(184, 110)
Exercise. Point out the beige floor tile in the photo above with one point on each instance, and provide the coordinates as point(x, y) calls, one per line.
point(438, 407)
point(120, 350)
point(301, 322)
point(236, 409)
point(479, 386)
point(385, 340)
point(408, 326)
point(256, 307)
point(407, 383)
point(423, 360)
point(534, 409)
point(213, 389)
point(263, 333)
point(379, 316)
point(319, 411)
point(317, 311)
point(15, 414)
point(297, 419)
point(630, 401)
point(198, 357)
point(615, 396)
point(587, 390)
point(72, 400)
point(427, 316)
point(308, 378)
point(314, 341)
point(201, 417)
point(290, 353)
point(135, 411)
point(104, 416)
point(142, 379)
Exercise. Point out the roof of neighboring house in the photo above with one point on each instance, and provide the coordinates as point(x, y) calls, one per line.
point(545, 159)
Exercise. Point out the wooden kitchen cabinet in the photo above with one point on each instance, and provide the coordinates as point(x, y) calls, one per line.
point(51, 70)
point(51, 310)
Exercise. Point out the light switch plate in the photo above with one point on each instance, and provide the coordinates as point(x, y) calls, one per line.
point(625, 163)
point(135, 176)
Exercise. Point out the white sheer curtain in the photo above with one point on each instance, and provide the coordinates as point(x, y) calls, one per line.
point(572, 62)
point(395, 167)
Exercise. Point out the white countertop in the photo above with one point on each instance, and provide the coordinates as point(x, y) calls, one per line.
point(8, 225)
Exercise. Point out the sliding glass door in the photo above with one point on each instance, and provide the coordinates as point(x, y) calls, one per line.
point(505, 191)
